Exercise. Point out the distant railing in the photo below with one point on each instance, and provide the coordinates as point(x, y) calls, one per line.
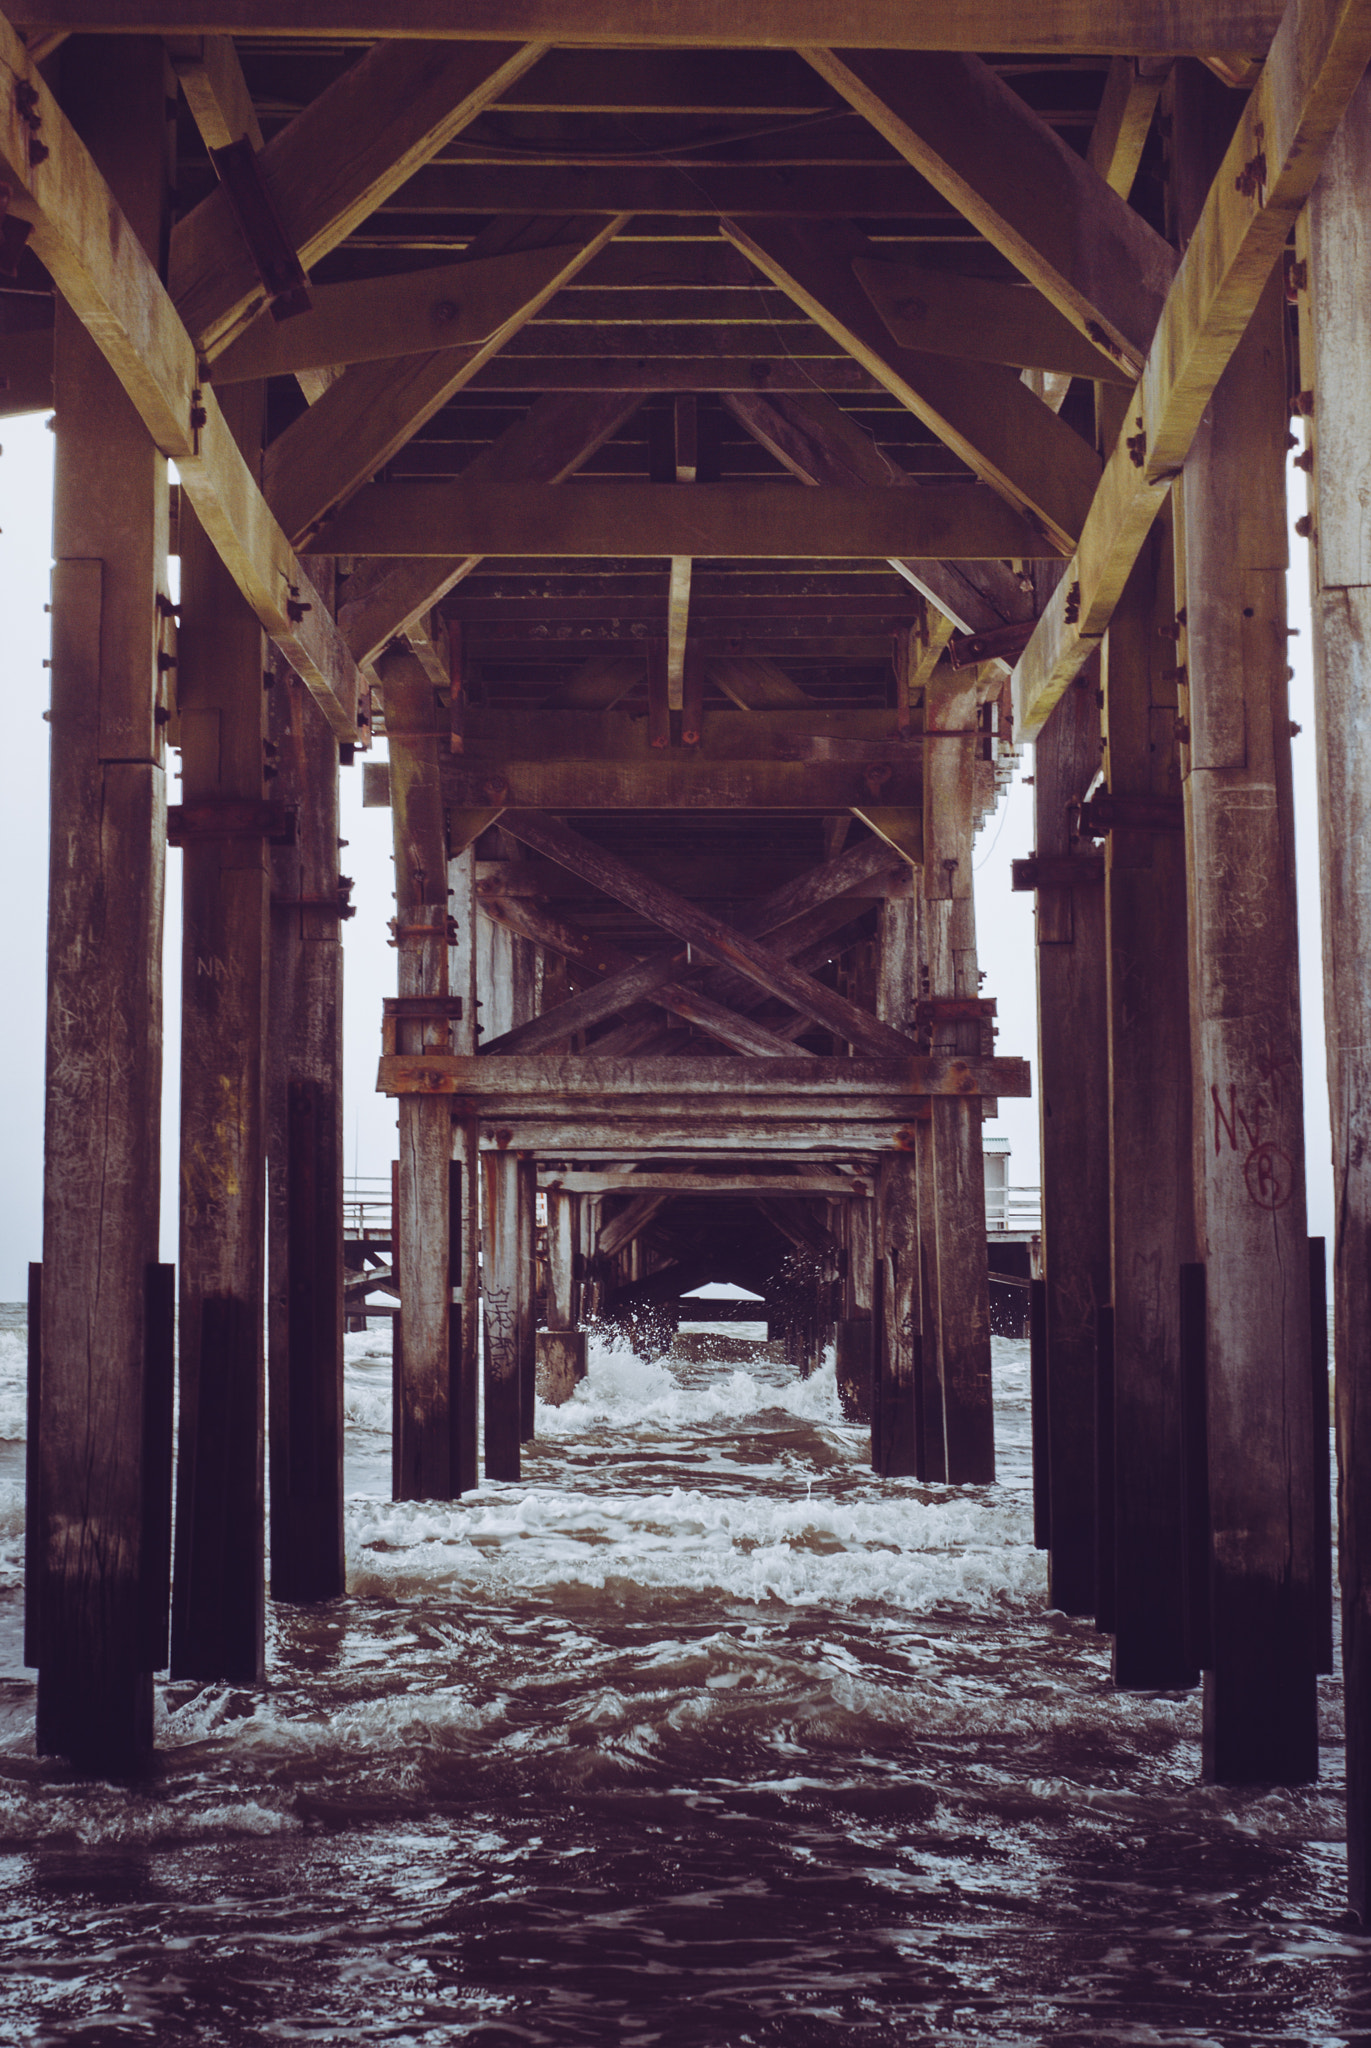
point(366, 1207)
point(1015, 1210)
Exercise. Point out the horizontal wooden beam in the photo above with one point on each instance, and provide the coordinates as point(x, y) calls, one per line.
point(690, 370)
point(1272, 163)
point(97, 263)
point(537, 1085)
point(1057, 27)
point(673, 780)
point(962, 521)
point(635, 1179)
point(805, 732)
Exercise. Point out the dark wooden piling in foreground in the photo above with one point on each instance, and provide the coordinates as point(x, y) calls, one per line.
point(102, 1166)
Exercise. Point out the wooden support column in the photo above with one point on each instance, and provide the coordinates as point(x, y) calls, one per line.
point(854, 1336)
point(1260, 1707)
point(97, 1603)
point(1150, 1163)
point(305, 1156)
point(895, 1353)
point(464, 1333)
point(896, 1420)
point(528, 1294)
point(422, 1442)
point(1339, 375)
point(218, 1593)
point(958, 1156)
point(1073, 1099)
point(561, 1346)
point(500, 1303)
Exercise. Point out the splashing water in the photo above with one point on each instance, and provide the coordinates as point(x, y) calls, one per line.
point(699, 1734)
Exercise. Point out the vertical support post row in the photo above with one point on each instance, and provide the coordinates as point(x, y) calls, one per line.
point(1336, 368)
point(464, 1337)
point(94, 1580)
point(218, 1590)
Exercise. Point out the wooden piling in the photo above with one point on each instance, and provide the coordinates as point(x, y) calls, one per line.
point(305, 1158)
point(1073, 1105)
point(1260, 1720)
point(1336, 369)
point(1151, 1222)
point(500, 1293)
point(104, 1029)
point(958, 1155)
point(422, 1425)
point(218, 1591)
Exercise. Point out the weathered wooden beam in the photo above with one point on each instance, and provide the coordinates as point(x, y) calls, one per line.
point(677, 781)
point(631, 1220)
point(632, 520)
point(500, 1084)
point(1268, 170)
point(334, 164)
point(98, 264)
point(551, 441)
point(633, 1179)
point(1132, 88)
point(1060, 28)
point(794, 732)
point(982, 411)
point(374, 408)
point(980, 318)
point(419, 312)
point(723, 944)
point(967, 131)
point(690, 368)
point(590, 950)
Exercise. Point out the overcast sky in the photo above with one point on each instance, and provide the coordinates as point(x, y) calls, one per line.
point(1004, 921)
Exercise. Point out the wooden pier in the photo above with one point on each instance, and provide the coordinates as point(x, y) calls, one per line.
point(707, 445)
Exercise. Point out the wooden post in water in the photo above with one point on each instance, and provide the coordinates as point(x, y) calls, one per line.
point(1074, 1106)
point(1336, 369)
point(218, 1590)
point(895, 1363)
point(465, 1330)
point(528, 1293)
point(423, 1411)
point(1152, 1227)
point(97, 1603)
point(500, 1293)
point(853, 1346)
point(958, 1154)
point(305, 1158)
point(1260, 1720)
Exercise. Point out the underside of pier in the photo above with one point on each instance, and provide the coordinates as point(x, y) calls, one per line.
point(679, 457)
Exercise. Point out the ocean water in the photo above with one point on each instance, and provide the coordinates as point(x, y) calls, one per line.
point(700, 1734)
